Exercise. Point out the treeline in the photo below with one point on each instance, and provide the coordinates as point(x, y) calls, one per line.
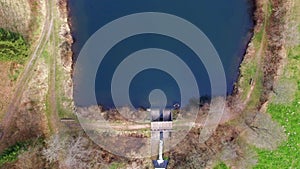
point(13, 46)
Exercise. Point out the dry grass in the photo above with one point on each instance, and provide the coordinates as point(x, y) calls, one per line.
point(15, 15)
point(6, 87)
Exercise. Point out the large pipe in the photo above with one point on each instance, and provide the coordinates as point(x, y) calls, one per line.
point(161, 143)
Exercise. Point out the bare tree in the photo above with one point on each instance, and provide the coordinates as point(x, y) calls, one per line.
point(55, 147)
point(80, 155)
point(262, 132)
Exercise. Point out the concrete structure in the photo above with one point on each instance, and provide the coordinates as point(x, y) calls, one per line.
point(161, 127)
point(161, 115)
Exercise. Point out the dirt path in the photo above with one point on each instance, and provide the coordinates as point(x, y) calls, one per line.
point(25, 76)
point(258, 55)
point(54, 119)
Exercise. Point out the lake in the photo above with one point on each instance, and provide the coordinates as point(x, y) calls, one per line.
point(227, 23)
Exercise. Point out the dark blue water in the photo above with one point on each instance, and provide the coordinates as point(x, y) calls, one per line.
point(227, 23)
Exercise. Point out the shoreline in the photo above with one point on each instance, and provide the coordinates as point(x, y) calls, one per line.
point(66, 33)
point(237, 91)
point(270, 59)
point(257, 18)
point(251, 33)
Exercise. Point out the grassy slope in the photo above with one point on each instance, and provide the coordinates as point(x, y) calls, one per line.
point(64, 104)
point(288, 115)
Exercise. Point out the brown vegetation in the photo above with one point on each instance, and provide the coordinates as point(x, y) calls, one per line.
point(78, 151)
point(258, 15)
point(29, 159)
point(275, 51)
point(65, 60)
point(6, 87)
point(22, 17)
point(65, 32)
point(15, 15)
point(29, 120)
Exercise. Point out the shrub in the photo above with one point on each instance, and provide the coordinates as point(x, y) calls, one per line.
point(13, 47)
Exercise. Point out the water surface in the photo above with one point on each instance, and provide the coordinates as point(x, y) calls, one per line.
point(227, 23)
